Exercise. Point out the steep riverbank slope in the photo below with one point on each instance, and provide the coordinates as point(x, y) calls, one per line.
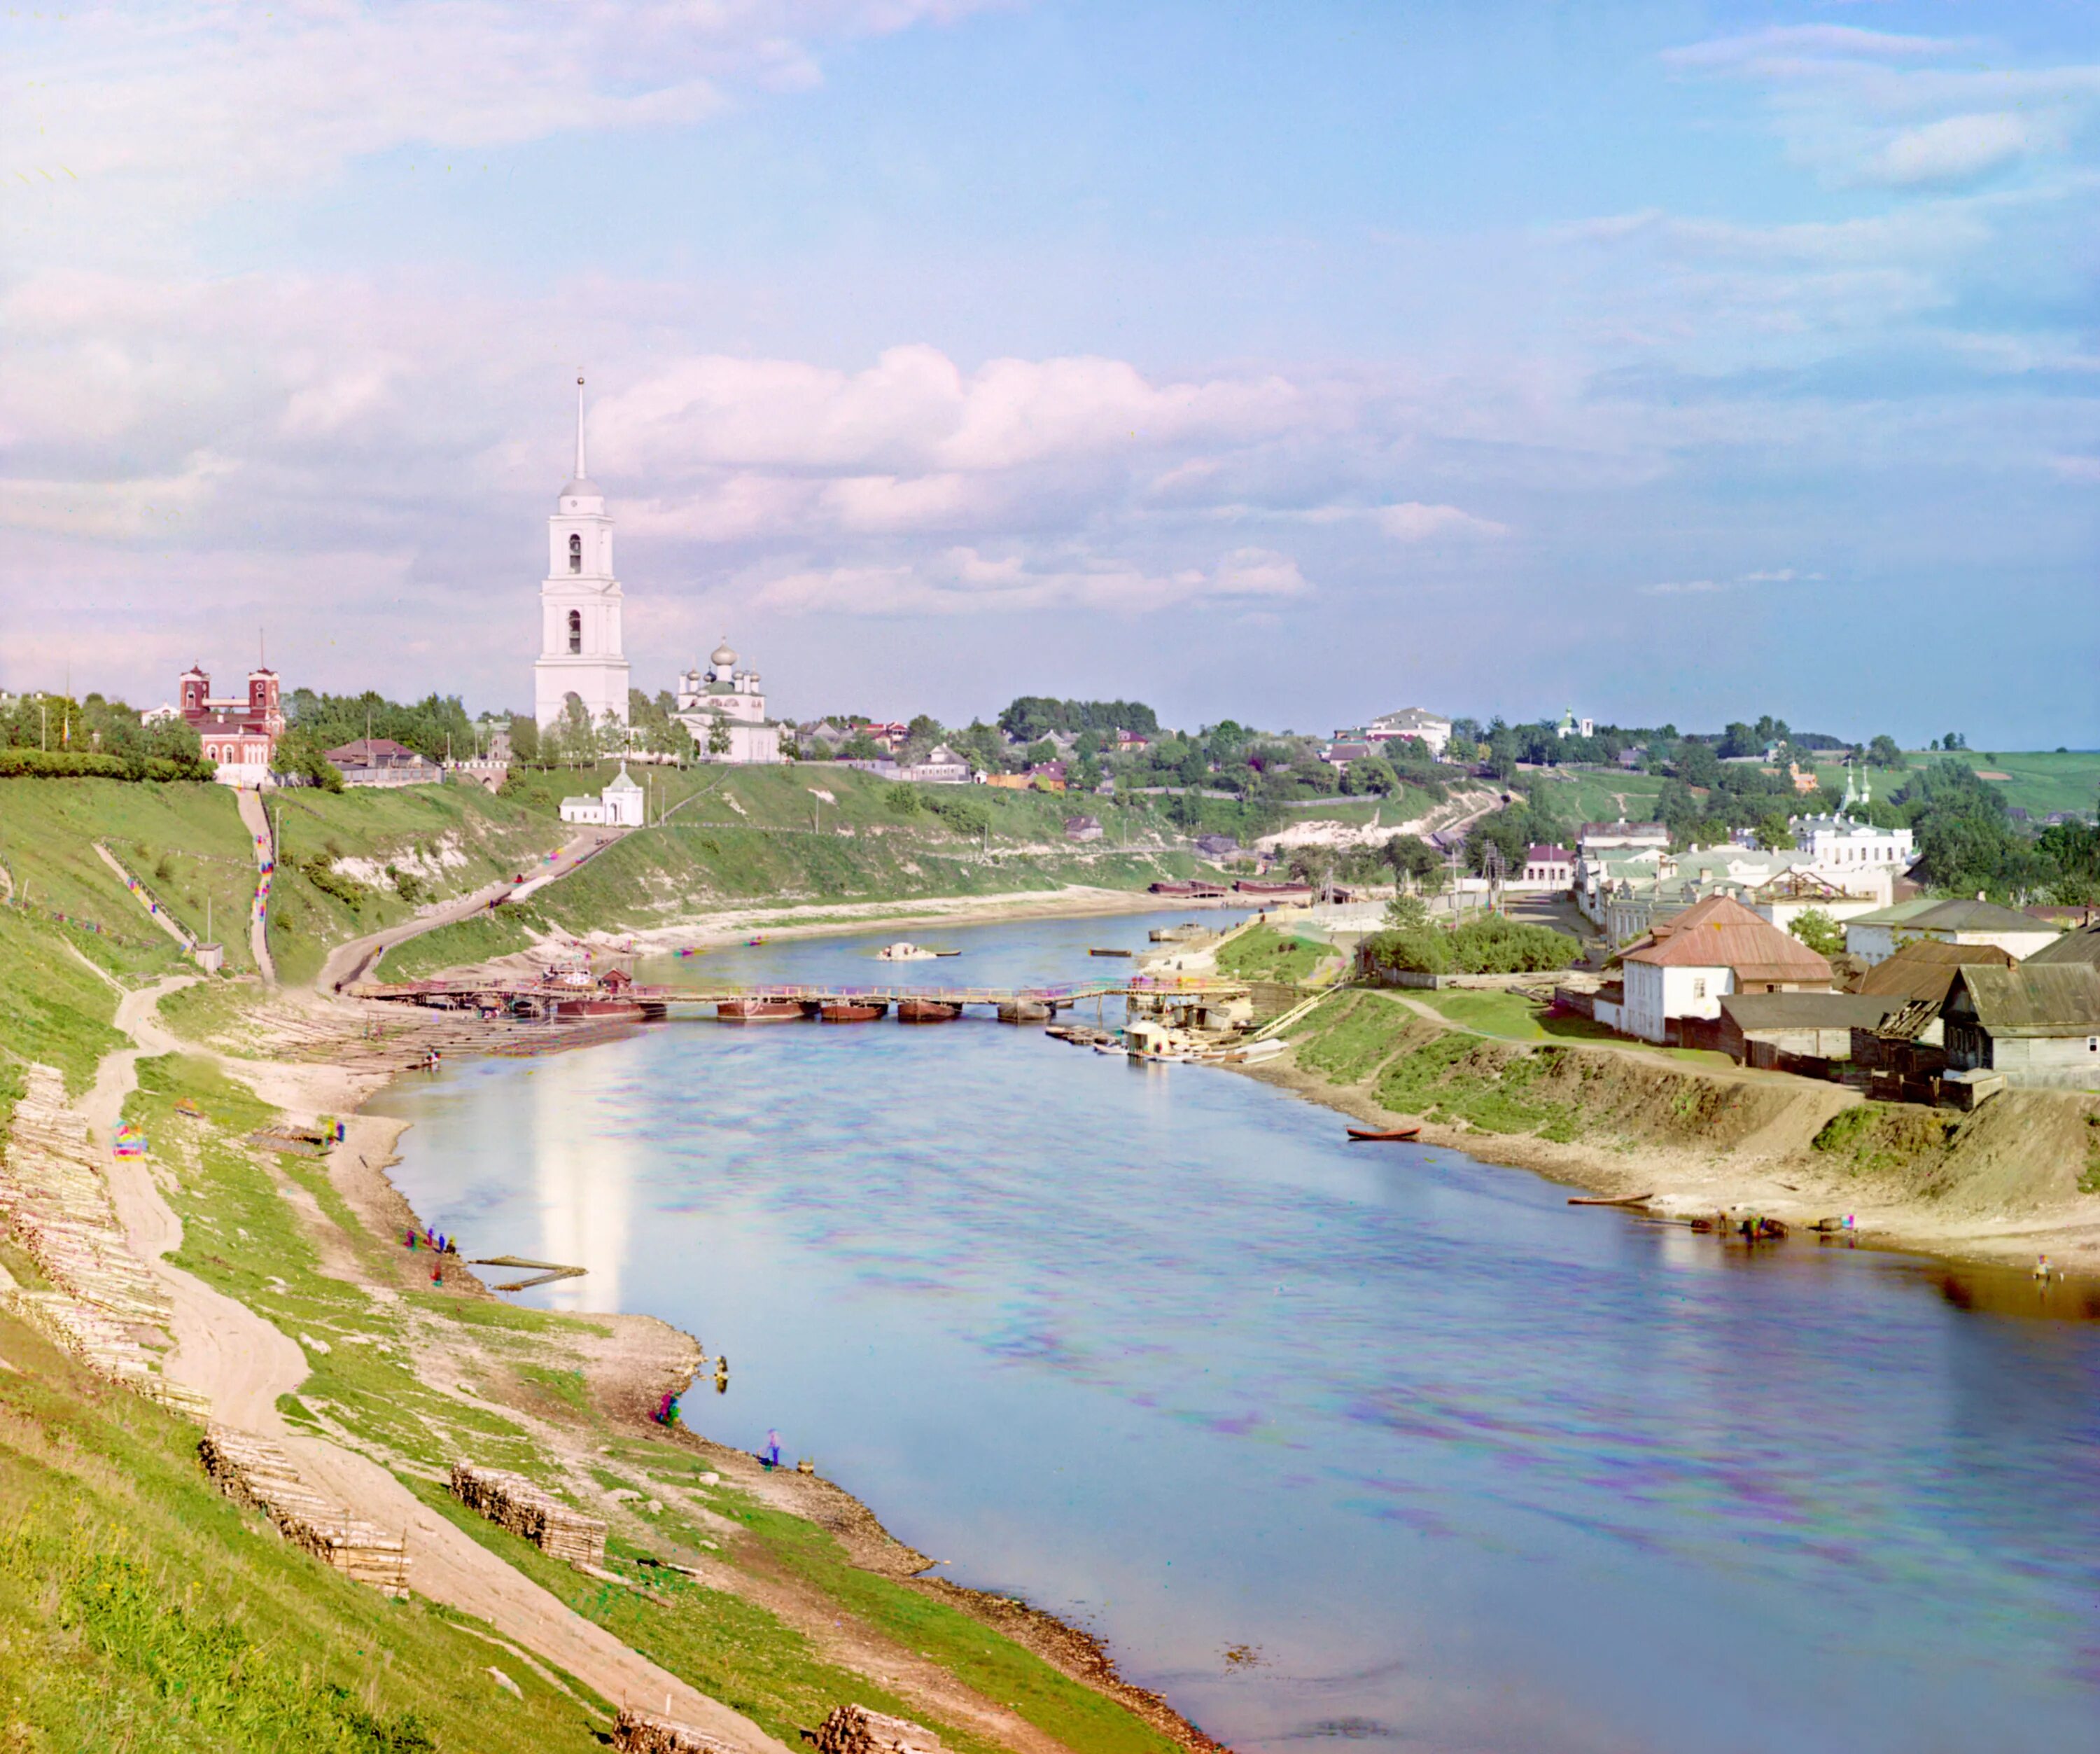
point(138, 1607)
point(2020, 1176)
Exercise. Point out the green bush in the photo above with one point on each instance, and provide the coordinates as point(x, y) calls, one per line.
point(85, 764)
point(1491, 946)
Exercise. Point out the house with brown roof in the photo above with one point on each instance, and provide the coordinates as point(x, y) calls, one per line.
point(2082, 945)
point(2036, 1026)
point(1683, 968)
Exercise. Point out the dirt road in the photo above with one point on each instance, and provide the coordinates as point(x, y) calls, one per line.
point(349, 961)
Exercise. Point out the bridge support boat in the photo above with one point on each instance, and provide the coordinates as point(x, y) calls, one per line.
point(927, 1011)
point(759, 1010)
point(851, 1011)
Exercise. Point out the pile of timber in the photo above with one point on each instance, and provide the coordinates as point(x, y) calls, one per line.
point(104, 1304)
point(512, 1502)
point(254, 1472)
point(642, 1733)
point(855, 1730)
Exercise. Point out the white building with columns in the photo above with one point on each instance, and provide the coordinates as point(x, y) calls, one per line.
point(580, 655)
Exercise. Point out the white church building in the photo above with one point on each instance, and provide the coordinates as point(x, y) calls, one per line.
point(724, 710)
point(579, 649)
point(582, 658)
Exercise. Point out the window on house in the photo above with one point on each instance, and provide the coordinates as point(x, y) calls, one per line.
point(1699, 985)
point(576, 630)
point(576, 554)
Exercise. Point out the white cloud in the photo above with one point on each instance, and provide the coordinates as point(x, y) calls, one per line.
point(1957, 148)
point(1684, 588)
point(190, 107)
point(963, 580)
point(1414, 521)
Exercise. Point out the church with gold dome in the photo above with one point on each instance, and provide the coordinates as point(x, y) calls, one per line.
point(725, 708)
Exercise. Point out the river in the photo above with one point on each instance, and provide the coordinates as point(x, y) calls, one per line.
point(1365, 1443)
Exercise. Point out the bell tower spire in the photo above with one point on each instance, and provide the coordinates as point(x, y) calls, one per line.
point(582, 473)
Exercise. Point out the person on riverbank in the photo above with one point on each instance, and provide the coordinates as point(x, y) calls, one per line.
point(771, 1454)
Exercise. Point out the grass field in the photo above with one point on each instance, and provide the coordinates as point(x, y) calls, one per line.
point(334, 878)
point(1511, 1017)
point(1262, 953)
point(2038, 782)
point(55, 1009)
point(185, 840)
point(1577, 798)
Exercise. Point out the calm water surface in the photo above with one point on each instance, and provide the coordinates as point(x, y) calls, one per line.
point(1462, 1467)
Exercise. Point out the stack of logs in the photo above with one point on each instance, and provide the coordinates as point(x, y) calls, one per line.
point(254, 1472)
point(104, 1301)
point(855, 1730)
point(512, 1502)
point(642, 1733)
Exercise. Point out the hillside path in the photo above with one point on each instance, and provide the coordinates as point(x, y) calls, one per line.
point(243, 1363)
point(349, 961)
point(256, 814)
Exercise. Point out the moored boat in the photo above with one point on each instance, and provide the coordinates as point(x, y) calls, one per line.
point(851, 1011)
point(1365, 1135)
point(758, 1010)
point(905, 952)
point(927, 1011)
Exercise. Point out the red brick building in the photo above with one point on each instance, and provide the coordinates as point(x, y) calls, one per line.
point(239, 732)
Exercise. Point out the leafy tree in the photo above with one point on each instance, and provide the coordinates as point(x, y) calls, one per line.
point(1406, 914)
point(718, 735)
point(1414, 861)
point(1697, 765)
point(1818, 931)
point(1370, 777)
point(299, 752)
point(1883, 752)
point(524, 739)
point(1775, 834)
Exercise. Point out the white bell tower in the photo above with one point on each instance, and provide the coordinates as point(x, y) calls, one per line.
point(579, 649)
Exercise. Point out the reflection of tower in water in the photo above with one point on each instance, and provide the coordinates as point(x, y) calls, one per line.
point(585, 1180)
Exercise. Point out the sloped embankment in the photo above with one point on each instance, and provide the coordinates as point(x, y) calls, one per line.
point(1600, 1115)
point(2021, 1152)
point(1409, 1066)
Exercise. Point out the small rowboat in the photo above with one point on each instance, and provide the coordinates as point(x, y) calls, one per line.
point(1111, 952)
point(1598, 1200)
point(1400, 1135)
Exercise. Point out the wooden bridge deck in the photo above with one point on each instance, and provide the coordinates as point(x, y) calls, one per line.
point(506, 992)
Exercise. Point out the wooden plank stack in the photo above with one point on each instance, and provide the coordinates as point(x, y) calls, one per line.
point(104, 1302)
point(254, 1472)
point(855, 1730)
point(642, 1733)
point(512, 1502)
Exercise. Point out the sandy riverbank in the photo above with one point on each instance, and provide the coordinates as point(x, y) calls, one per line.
point(831, 919)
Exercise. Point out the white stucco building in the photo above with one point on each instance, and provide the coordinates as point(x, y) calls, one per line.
point(1716, 948)
point(580, 653)
point(620, 805)
point(723, 701)
point(1425, 727)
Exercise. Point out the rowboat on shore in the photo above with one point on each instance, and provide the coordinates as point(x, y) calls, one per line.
point(851, 1011)
point(1397, 1135)
point(1111, 952)
point(758, 1010)
point(1602, 1200)
point(927, 1011)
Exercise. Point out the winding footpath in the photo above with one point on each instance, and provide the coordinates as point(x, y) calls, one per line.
point(243, 1363)
point(256, 814)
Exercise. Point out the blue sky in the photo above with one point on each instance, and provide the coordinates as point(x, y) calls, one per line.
point(1290, 363)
